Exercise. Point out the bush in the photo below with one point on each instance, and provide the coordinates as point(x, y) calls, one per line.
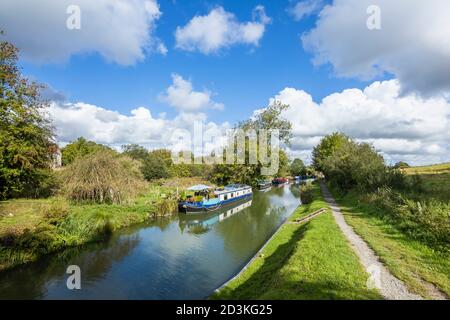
point(154, 167)
point(102, 177)
point(55, 211)
point(306, 194)
point(426, 220)
point(37, 183)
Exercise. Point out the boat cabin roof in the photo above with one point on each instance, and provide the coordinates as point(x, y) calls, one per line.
point(232, 188)
point(199, 187)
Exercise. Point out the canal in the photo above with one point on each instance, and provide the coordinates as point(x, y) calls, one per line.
point(170, 258)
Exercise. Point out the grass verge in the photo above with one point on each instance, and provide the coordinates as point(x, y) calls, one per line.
point(30, 229)
point(410, 260)
point(312, 260)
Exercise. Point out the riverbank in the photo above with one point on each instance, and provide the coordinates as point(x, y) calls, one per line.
point(424, 270)
point(409, 230)
point(139, 260)
point(310, 260)
point(32, 228)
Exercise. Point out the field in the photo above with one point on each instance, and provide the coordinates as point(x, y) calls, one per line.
point(311, 260)
point(434, 180)
point(432, 169)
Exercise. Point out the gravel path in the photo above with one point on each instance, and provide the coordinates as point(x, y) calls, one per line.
point(389, 286)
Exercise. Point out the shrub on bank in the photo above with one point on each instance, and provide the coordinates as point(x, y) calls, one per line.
point(427, 220)
point(306, 193)
point(102, 177)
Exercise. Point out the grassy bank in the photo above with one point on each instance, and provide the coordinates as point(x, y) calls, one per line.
point(30, 228)
point(408, 259)
point(312, 260)
point(408, 230)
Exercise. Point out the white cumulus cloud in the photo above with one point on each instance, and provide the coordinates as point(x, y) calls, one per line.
point(402, 127)
point(305, 8)
point(73, 120)
point(121, 30)
point(412, 44)
point(220, 29)
point(182, 96)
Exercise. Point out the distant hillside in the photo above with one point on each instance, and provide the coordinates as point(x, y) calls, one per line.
point(433, 169)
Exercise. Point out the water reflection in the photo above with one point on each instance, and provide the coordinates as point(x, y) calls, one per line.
point(181, 257)
point(202, 223)
point(34, 281)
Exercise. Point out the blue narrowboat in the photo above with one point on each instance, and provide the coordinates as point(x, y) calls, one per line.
point(207, 199)
point(203, 223)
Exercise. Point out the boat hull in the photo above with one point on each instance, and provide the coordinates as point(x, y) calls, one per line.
point(264, 186)
point(195, 208)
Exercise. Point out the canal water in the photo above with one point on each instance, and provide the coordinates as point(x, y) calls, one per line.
point(180, 257)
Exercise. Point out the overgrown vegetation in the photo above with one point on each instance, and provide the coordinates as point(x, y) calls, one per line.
point(401, 200)
point(312, 260)
point(32, 228)
point(102, 177)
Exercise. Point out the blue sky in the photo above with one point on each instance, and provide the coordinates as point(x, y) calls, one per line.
point(242, 77)
point(138, 70)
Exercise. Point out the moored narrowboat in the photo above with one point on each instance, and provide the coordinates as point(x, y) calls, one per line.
point(279, 181)
point(207, 199)
point(264, 184)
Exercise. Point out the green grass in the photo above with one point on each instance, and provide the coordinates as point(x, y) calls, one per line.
point(30, 229)
point(312, 260)
point(409, 260)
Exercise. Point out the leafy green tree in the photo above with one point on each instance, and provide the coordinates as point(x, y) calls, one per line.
point(355, 165)
point(135, 151)
point(154, 167)
point(283, 164)
point(297, 167)
point(80, 148)
point(326, 147)
point(268, 119)
point(163, 154)
point(26, 135)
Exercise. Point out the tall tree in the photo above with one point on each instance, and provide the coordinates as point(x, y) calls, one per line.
point(297, 167)
point(326, 147)
point(268, 119)
point(26, 134)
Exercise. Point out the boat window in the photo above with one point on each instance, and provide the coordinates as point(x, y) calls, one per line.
point(225, 197)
